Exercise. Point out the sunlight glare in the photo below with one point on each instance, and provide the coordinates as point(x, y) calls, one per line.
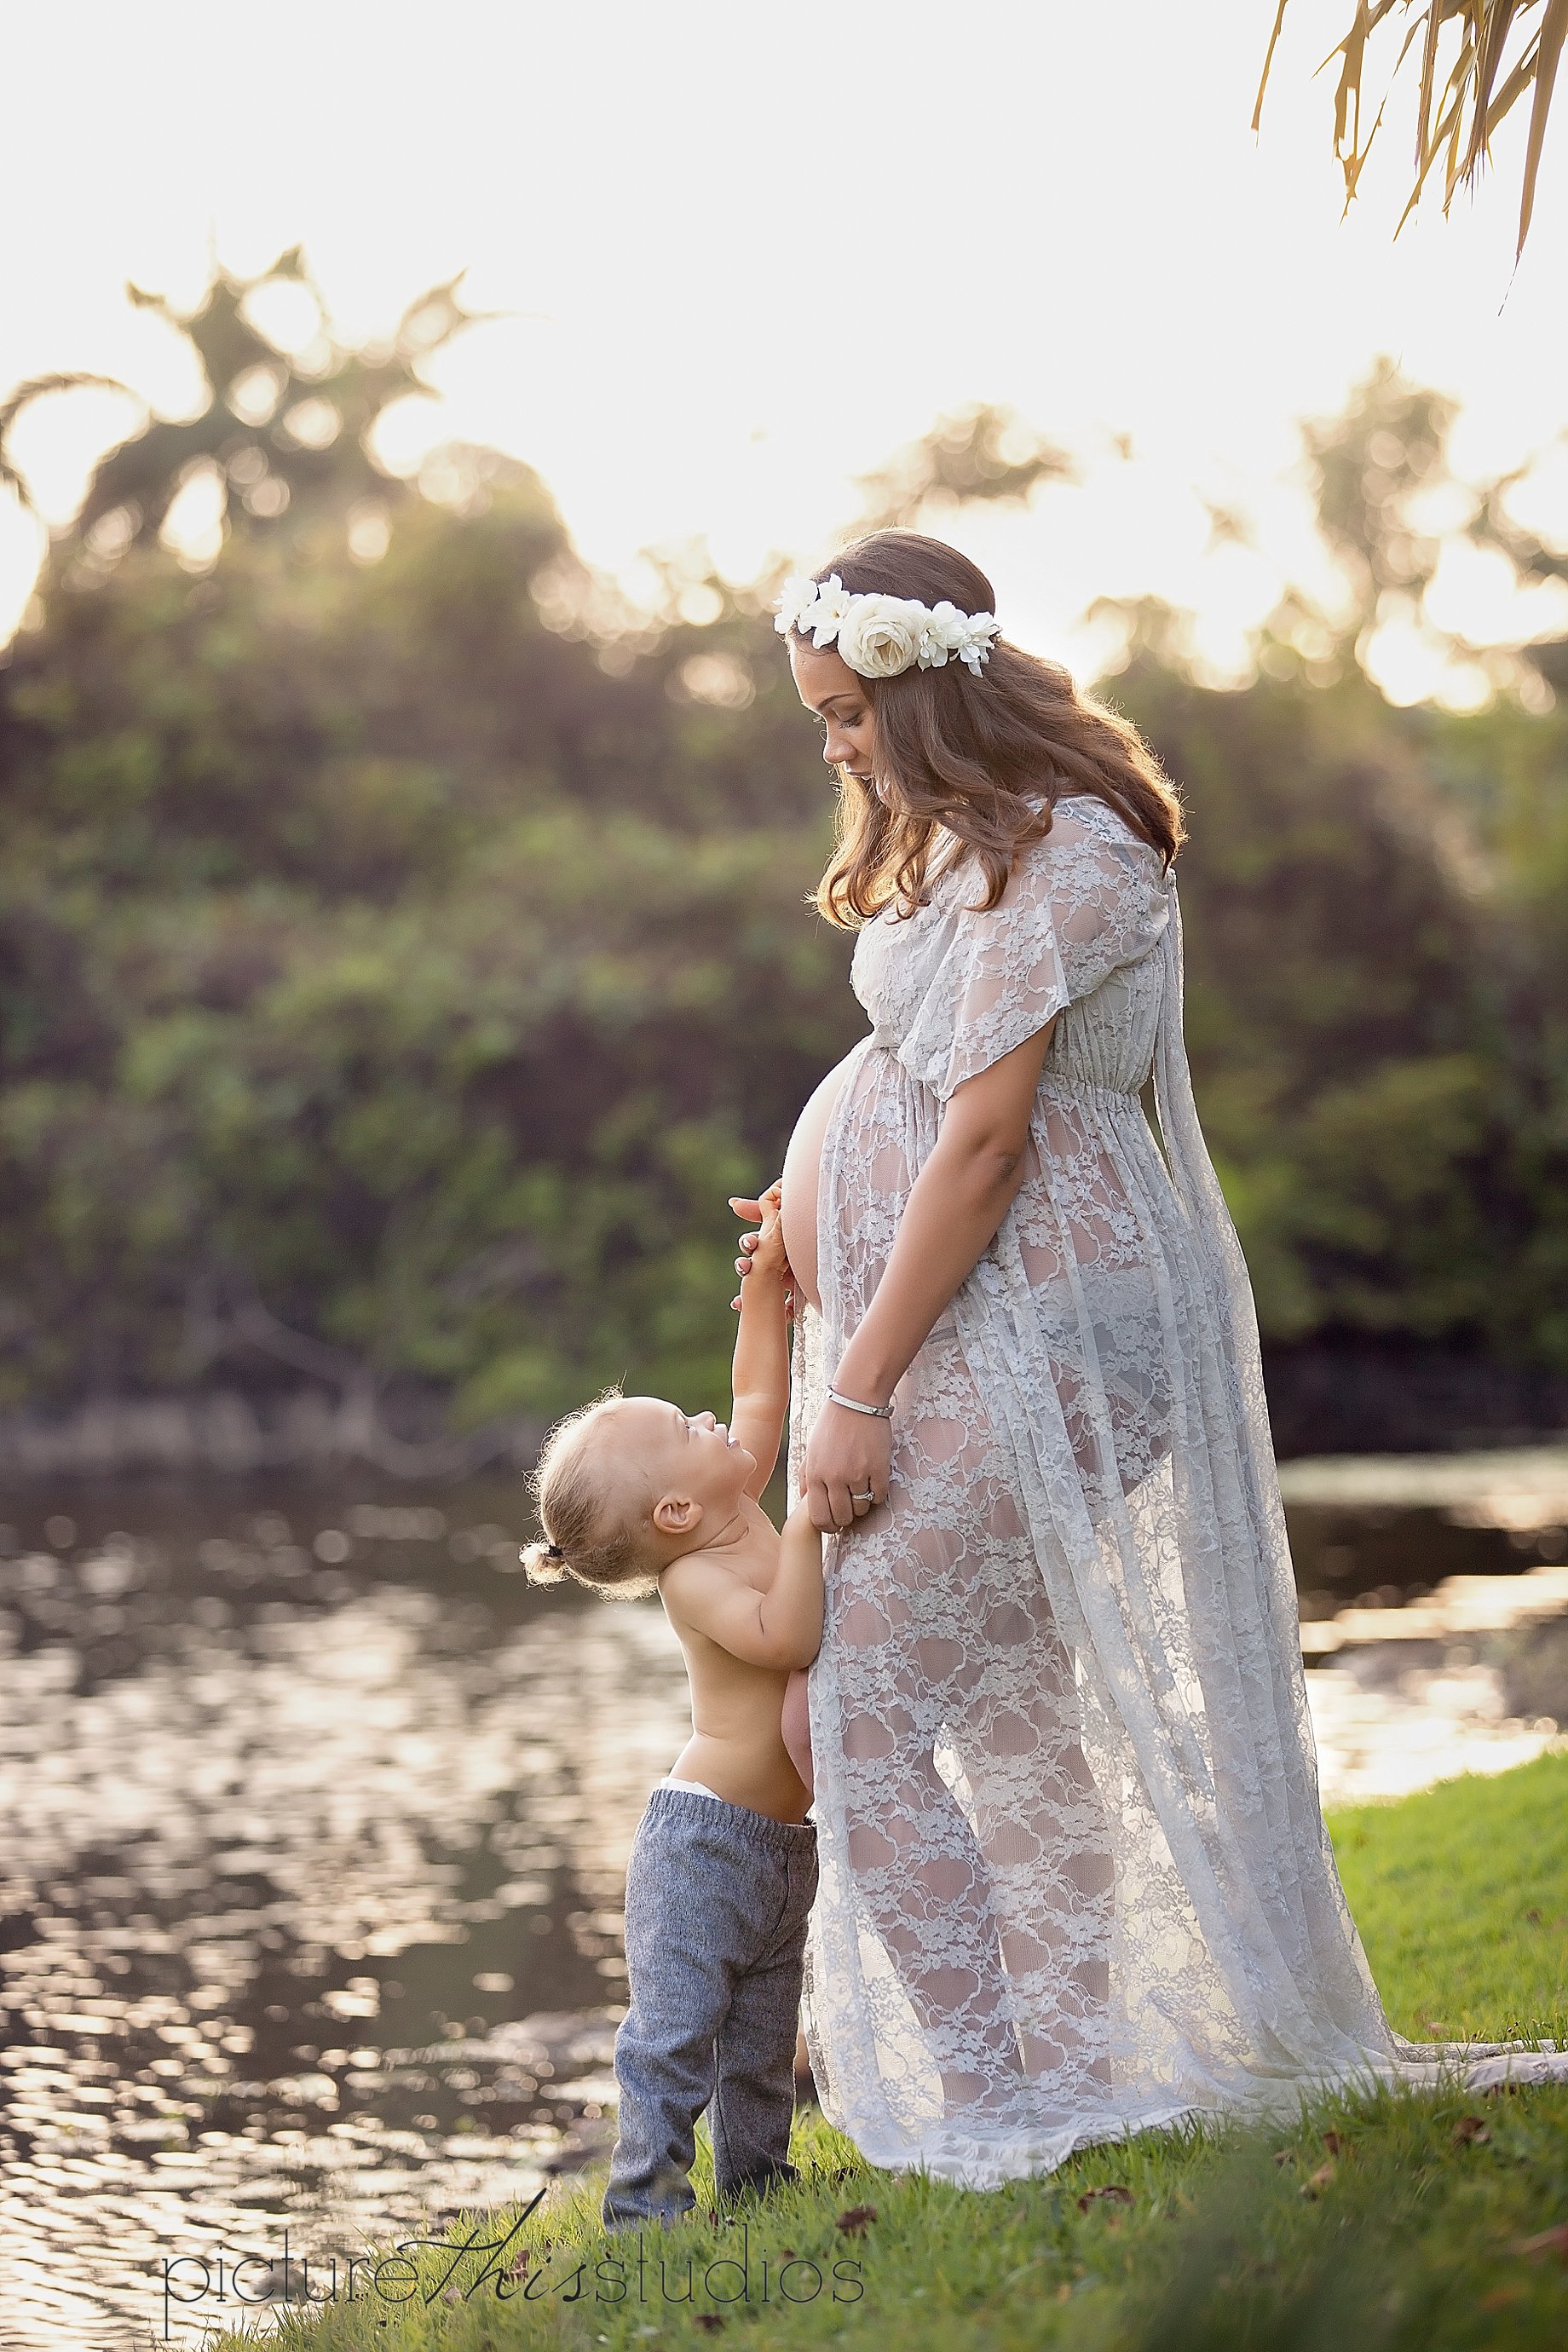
point(698, 343)
point(193, 528)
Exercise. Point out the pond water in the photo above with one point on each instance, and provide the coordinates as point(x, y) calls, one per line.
point(315, 1817)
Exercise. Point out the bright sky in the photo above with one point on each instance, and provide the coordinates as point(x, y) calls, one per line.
point(752, 250)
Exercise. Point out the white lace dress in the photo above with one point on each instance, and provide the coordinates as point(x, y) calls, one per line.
point(1074, 1874)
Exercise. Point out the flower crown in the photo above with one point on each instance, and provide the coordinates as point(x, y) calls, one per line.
point(880, 636)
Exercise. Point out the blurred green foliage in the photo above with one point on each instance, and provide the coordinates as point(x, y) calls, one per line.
point(1373, 1007)
point(1377, 945)
point(401, 960)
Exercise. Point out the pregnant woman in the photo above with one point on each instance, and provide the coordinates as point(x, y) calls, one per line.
point(1074, 1874)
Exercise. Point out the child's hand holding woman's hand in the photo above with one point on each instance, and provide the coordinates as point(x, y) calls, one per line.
point(763, 1252)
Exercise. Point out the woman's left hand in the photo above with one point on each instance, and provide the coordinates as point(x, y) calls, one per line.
point(756, 1212)
point(849, 1455)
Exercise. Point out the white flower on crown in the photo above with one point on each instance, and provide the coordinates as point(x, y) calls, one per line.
point(813, 607)
point(975, 648)
point(880, 636)
point(944, 631)
point(825, 618)
point(797, 595)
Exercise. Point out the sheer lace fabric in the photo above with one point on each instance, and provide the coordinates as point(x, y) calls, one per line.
point(1074, 1872)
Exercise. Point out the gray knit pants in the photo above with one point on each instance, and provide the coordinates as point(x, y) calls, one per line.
point(717, 1899)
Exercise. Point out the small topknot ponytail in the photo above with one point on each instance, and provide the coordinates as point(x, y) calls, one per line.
point(545, 1563)
point(572, 1497)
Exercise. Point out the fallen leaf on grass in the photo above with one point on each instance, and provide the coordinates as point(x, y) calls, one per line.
point(857, 2221)
point(1316, 2182)
point(1545, 2241)
point(1469, 2132)
point(1336, 2143)
point(710, 2321)
point(1112, 2193)
point(1284, 2156)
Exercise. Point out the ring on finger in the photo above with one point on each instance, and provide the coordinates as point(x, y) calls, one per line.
point(862, 1498)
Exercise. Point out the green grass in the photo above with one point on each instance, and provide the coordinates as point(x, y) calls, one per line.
point(1396, 2222)
point(1461, 1897)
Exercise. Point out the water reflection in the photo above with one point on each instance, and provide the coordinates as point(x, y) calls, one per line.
point(1380, 1529)
point(1432, 1584)
point(311, 1883)
point(1472, 1677)
point(316, 1820)
point(1389, 1723)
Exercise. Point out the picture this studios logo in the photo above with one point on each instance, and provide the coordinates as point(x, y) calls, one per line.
point(426, 2271)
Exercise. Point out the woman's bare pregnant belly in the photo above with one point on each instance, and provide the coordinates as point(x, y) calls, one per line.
point(803, 1162)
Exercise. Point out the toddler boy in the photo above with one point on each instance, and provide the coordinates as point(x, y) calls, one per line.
point(634, 1495)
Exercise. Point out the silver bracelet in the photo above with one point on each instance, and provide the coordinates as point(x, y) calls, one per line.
point(878, 1412)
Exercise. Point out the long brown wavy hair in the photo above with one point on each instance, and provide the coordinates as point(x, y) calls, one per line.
point(971, 753)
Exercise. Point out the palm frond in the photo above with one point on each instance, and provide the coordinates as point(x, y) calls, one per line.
point(1466, 86)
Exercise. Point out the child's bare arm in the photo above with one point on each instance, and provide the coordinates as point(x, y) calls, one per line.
point(781, 1627)
point(760, 1375)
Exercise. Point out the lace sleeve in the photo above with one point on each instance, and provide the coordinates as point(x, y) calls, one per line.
point(1088, 898)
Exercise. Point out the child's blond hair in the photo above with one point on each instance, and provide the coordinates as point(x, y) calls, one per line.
point(588, 1537)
